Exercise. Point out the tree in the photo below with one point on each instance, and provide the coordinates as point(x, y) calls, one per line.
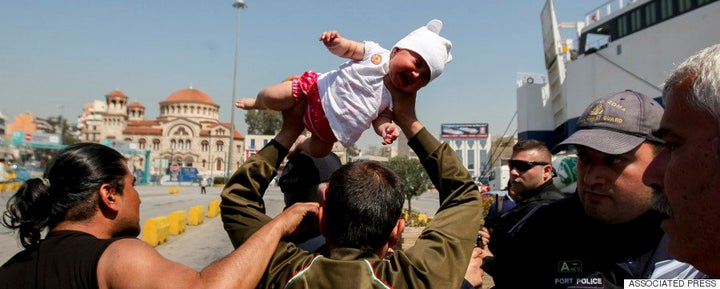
point(413, 176)
point(353, 151)
point(263, 122)
point(60, 126)
point(55, 125)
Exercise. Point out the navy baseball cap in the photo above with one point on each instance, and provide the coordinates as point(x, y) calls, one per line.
point(617, 124)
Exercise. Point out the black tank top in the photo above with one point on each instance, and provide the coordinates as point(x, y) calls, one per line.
point(64, 259)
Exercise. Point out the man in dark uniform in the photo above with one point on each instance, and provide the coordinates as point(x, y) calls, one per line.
point(531, 181)
point(607, 232)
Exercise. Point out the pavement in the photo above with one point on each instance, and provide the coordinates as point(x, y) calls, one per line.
point(198, 246)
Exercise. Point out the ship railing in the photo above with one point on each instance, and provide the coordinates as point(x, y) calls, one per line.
point(606, 10)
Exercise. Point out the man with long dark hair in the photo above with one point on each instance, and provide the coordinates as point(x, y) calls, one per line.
point(88, 202)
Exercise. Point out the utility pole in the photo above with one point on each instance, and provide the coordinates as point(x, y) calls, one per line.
point(239, 5)
point(210, 161)
point(60, 123)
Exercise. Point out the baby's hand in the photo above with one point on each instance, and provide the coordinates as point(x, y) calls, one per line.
point(330, 38)
point(389, 134)
point(297, 146)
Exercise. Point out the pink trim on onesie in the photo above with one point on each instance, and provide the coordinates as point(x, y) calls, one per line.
point(314, 117)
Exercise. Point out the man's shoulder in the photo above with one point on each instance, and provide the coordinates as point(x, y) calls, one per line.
point(564, 207)
point(558, 214)
point(550, 192)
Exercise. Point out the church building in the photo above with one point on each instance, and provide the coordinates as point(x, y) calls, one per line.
point(187, 132)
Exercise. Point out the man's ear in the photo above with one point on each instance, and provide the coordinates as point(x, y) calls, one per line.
point(396, 233)
point(547, 172)
point(108, 197)
point(322, 226)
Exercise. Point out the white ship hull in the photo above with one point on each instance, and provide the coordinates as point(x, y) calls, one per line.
point(639, 57)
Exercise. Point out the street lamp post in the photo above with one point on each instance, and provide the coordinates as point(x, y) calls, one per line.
point(172, 156)
point(239, 4)
point(60, 122)
point(210, 161)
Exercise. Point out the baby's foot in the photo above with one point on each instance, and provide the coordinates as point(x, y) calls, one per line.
point(246, 103)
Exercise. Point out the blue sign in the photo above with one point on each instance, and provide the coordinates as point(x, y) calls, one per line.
point(186, 174)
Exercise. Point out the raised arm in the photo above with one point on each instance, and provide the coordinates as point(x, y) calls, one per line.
point(454, 228)
point(242, 207)
point(403, 113)
point(342, 46)
point(131, 263)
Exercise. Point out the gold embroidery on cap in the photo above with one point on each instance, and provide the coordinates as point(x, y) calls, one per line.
point(616, 105)
point(594, 113)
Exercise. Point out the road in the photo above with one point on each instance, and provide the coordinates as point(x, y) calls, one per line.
point(199, 245)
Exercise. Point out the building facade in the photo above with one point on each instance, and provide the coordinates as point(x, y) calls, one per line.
point(187, 132)
point(472, 143)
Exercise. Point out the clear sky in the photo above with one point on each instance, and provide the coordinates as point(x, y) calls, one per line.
point(56, 56)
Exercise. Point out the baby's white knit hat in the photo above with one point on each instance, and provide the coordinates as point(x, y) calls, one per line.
point(432, 47)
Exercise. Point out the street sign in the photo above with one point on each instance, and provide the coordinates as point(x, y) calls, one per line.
point(20, 138)
point(120, 144)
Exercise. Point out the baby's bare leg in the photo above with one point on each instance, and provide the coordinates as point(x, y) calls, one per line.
point(276, 97)
point(249, 103)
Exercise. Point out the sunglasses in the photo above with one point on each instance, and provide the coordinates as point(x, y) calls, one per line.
point(524, 166)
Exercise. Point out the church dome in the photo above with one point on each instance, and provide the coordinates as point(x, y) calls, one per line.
point(136, 104)
point(189, 95)
point(116, 92)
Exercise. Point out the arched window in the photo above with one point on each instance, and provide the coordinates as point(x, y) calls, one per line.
point(181, 131)
point(219, 146)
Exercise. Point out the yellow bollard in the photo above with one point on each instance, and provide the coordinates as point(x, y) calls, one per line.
point(213, 209)
point(196, 215)
point(163, 228)
point(177, 219)
point(155, 231)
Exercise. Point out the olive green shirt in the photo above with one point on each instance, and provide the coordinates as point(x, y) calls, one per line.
point(438, 259)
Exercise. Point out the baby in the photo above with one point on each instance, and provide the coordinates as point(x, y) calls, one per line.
point(343, 103)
